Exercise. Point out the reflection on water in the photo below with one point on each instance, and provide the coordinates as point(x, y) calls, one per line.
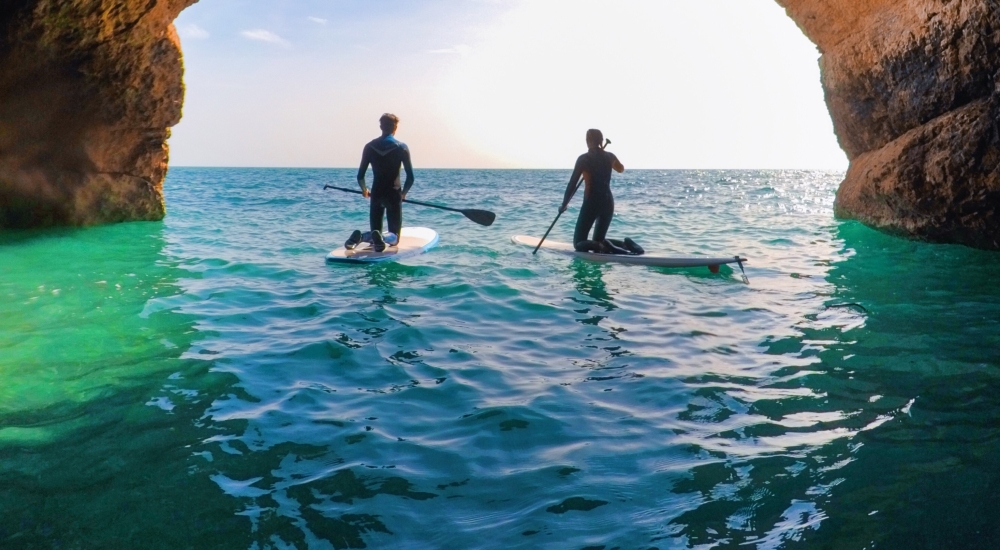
point(210, 382)
point(100, 399)
point(888, 439)
point(386, 275)
point(588, 280)
point(923, 370)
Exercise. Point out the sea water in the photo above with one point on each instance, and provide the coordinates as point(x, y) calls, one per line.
point(210, 382)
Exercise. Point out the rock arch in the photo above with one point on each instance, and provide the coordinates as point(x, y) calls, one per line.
point(90, 88)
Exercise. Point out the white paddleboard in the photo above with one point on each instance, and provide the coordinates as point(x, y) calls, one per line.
point(645, 259)
point(412, 241)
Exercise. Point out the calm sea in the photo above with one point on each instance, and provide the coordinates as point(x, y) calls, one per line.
point(209, 382)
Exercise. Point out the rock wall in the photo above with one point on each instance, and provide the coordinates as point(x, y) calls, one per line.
point(912, 87)
point(88, 92)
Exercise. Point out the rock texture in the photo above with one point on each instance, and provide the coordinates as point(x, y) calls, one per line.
point(88, 92)
point(912, 87)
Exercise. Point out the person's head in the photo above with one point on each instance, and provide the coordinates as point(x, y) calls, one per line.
point(594, 138)
point(388, 122)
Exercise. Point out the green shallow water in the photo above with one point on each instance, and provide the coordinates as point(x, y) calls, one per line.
point(209, 382)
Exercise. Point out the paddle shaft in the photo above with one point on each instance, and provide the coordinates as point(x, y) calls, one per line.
point(606, 143)
point(355, 191)
point(550, 228)
point(481, 217)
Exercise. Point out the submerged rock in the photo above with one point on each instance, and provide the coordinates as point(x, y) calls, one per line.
point(88, 92)
point(913, 92)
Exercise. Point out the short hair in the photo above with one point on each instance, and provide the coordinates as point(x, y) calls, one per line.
point(388, 118)
point(595, 136)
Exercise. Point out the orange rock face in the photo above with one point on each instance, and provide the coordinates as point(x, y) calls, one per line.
point(913, 92)
point(88, 92)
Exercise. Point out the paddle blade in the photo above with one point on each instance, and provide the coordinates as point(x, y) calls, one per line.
point(482, 217)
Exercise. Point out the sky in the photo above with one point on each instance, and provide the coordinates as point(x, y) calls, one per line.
point(501, 83)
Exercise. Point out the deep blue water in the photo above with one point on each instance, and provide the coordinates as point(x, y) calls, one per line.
point(210, 382)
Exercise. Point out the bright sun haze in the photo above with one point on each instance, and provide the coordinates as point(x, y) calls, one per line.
point(501, 83)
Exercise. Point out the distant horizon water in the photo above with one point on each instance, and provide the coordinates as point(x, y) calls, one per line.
point(569, 167)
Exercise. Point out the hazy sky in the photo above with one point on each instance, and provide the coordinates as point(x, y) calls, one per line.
point(501, 83)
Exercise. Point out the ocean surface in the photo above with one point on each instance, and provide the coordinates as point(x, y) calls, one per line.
point(210, 382)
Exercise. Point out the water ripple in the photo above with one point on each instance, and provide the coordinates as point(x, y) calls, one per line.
point(479, 396)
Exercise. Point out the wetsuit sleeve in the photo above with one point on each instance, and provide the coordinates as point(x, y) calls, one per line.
point(616, 164)
point(366, 159)
point(574, 180)
point(409, 170)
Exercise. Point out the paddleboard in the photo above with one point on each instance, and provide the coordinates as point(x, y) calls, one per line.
point(412, 241)
point(645, 259)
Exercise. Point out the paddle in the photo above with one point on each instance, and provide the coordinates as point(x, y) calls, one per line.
point(606, 143)
point(482, 217)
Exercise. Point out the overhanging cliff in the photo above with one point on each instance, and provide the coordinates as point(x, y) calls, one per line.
point(88, 92)
point(913, 92)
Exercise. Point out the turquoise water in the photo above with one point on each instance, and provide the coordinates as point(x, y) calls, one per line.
point(209, 382)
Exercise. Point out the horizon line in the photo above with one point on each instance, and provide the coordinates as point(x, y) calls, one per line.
point(569, 169)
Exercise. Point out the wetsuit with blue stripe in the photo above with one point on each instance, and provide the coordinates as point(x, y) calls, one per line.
point(385, 155)
point(598, 203)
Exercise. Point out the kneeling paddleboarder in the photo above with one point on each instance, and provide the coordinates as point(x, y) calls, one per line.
point(385, 155)
point(595, 167)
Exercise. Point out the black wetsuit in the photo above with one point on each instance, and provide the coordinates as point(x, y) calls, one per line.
point(598, 203)
point(385, 155)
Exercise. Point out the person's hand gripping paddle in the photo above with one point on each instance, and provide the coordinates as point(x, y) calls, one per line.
point(561, 210)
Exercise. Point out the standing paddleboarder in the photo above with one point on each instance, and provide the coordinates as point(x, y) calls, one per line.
point(595, 167)
point(385, 155)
